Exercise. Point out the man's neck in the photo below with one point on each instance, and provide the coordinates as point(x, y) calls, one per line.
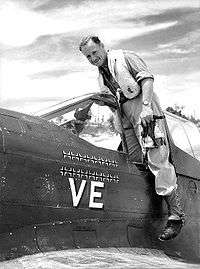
point(105, 64)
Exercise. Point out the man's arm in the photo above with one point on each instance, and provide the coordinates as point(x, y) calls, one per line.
point(147, 90)
point(144, 78)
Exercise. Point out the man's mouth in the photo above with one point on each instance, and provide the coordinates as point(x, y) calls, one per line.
point(96, 61)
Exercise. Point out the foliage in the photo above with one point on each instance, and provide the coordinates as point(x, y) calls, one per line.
point(178, 110)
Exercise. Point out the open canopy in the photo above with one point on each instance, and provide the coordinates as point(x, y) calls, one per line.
point(184, 133)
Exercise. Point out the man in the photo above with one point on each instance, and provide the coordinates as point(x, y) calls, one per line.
point(124, 74)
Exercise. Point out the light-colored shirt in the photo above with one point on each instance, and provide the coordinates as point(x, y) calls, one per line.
point(136, 66)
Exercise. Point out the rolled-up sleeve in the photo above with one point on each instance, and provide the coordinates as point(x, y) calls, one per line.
point(137, 66)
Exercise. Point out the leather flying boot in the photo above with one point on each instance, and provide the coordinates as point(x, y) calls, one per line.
point(171, 230)
point(176, 217)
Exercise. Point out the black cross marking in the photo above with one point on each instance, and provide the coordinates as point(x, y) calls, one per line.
point(87, 174)
point(101, 176)
point(95, 175)
point(96, 160)
point(104, 176)
point(82, 158)
point(115, 163)
point(117, 179)
point(92, 159)
point(84, 174)
point(64, 154)
point(78, 173)
point(74, 172)
point(79, 157)
point(102, 161)
point(87, 158)
point(63, 171)
point(81, 173)
point(99, 160)
point(91, 175)
point(69, 155)
point(109, 177)
point(70, 172)
point(107, 162)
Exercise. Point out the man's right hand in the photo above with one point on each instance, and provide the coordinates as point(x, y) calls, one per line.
point(83, 114)
point(104, 99)
point(146, 116)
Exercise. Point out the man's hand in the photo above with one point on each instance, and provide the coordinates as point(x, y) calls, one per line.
point(104, 99)
point(83, 114)
point(146, 116)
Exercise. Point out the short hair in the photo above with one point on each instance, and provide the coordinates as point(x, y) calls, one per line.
point(86, 39)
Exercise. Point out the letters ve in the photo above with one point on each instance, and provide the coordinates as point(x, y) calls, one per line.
point(76, 196)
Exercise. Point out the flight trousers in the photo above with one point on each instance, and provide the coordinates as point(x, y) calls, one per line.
point(157, 158)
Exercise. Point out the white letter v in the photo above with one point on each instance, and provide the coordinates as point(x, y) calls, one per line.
point(76, 197)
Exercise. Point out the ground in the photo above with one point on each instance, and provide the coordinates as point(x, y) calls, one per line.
point(97, 258)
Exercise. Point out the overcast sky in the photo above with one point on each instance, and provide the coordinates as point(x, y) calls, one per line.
point(41, 63)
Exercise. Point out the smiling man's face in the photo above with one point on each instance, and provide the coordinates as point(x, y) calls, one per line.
point(95, 53)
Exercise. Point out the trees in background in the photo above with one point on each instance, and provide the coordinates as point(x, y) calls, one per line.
point(178, 110)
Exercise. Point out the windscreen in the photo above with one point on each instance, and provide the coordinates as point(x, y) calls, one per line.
point(185, 135)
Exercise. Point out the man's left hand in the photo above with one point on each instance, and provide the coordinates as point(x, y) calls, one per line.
point(146, 116)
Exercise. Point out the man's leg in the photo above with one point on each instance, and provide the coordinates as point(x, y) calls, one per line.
point(165, 184)
point(165, 176)
point(176, 217)
point(134, 148)
point(131, 111)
